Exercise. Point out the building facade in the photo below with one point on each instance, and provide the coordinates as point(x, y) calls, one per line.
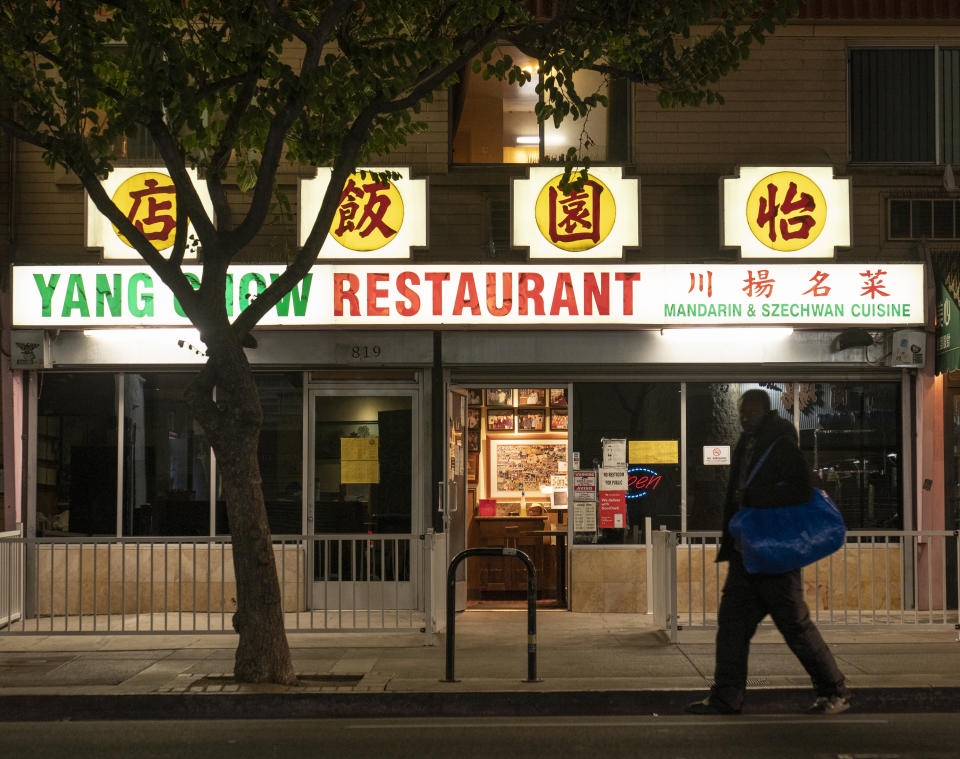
point(467, 394)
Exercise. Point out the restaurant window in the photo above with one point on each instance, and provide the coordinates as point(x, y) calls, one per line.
point(76, 455)
point(280, 453)
point(851, 434)
point(495, 121)
point(166, 459)
point(898, 111)
point(713, 422)
point(646, 415)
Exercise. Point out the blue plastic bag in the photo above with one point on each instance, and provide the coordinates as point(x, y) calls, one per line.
point(779, 540)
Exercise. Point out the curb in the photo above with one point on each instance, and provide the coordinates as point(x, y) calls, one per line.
point(208, 706)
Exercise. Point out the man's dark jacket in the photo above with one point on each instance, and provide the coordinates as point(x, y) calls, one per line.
point(782, 479)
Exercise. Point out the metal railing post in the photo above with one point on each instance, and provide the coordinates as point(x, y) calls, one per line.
point(531, 607)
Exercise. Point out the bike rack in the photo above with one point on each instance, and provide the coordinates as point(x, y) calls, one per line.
point(531, 606)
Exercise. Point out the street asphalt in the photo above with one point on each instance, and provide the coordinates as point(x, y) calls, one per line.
point(587, 664)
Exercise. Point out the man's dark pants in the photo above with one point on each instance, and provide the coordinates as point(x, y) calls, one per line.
point(746, 600)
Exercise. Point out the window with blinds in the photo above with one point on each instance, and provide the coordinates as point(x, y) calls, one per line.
point(896, 95)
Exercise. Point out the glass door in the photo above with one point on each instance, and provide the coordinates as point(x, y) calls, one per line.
point(454, 489)
point(361, 498)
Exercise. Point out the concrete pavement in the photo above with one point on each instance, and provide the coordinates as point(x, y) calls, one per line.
point(587, 663)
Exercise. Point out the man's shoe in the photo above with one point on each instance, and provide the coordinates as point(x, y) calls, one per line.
point(709, 707)
point(829, 705)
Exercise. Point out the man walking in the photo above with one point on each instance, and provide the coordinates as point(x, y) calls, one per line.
point(781, 479)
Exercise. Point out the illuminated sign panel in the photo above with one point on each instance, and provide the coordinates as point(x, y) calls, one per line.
point(785, 212)
point(443, 295)
point(597, 221)
point(148, 198)
point(373, 219)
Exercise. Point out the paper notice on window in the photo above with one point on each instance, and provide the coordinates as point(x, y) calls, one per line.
point(614, 452)
point(584, 516)
point(359, 472)
point(359, 460)
point(360, 448)
point(654, 452)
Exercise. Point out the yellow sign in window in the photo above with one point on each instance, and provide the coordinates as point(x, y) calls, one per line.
point(654, 452)
point(359, 460)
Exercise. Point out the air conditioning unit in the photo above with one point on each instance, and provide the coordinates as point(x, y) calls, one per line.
point(909, 348)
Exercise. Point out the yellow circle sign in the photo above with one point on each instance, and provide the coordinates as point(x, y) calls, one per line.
point(149, 200)
point(578, 220)
point(369, 215)
point(786, 211)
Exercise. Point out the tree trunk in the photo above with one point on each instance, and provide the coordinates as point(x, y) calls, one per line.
point(233, 427)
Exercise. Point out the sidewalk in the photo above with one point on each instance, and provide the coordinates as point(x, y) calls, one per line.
point(595, 663)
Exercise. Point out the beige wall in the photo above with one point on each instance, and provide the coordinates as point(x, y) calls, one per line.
point(114, 579)
point(614, 579)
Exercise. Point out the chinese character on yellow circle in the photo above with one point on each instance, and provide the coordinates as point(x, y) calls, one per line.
point(149, 200)
point(369, 215)
point(576, 220)
point(786, 211)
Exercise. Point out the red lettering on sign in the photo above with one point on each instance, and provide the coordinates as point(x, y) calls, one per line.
point(564, 296)
point(530, 287)
point(375, 293)
point(643, 482)
point(345, 287)
point(412, 306)
point(492, 306)
point(592, 294)
point(466, 296)
point(437, 279)
point(628, 282)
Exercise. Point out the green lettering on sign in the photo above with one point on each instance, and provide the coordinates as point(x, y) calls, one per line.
point(228, 293)
point(300, 293)
point(76, 297)
point(140, 302)
point(112, 296)
point(194, 281)
point(245, 281)
point(46, 292)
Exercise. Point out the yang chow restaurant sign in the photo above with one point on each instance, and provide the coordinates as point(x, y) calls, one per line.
point(442, 295)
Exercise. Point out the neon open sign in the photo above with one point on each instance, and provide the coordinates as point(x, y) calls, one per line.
point(641, 481)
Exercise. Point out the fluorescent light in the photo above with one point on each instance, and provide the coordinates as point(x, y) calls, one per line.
point(528, 139)
point(144, 334)
point(716, 335)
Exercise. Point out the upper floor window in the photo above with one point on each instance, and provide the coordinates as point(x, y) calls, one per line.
point(496, 122)
point(905, 105)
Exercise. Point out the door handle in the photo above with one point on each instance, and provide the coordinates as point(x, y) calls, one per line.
point(440, 497)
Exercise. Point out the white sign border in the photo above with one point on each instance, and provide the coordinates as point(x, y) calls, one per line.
point(735, 232)
point(98, 229)
point(412, 232)
point(524, 232)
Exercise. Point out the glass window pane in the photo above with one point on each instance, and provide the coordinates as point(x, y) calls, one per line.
point(851, 434)
point(166, 459)
point(899, 219)
point(280, 454)
point(943, 219)
point(362, 464)
point(921, 218)
point(496, 122)
point(281, 450)
point(713, 420)
point(589, 136)
point(76, 455)
point(634, 411)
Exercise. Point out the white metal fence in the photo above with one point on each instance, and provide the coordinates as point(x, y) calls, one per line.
point(11, 577)
point(879, 577)
point(187, 584)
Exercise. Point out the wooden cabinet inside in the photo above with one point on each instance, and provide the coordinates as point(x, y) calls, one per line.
point(498, 577)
